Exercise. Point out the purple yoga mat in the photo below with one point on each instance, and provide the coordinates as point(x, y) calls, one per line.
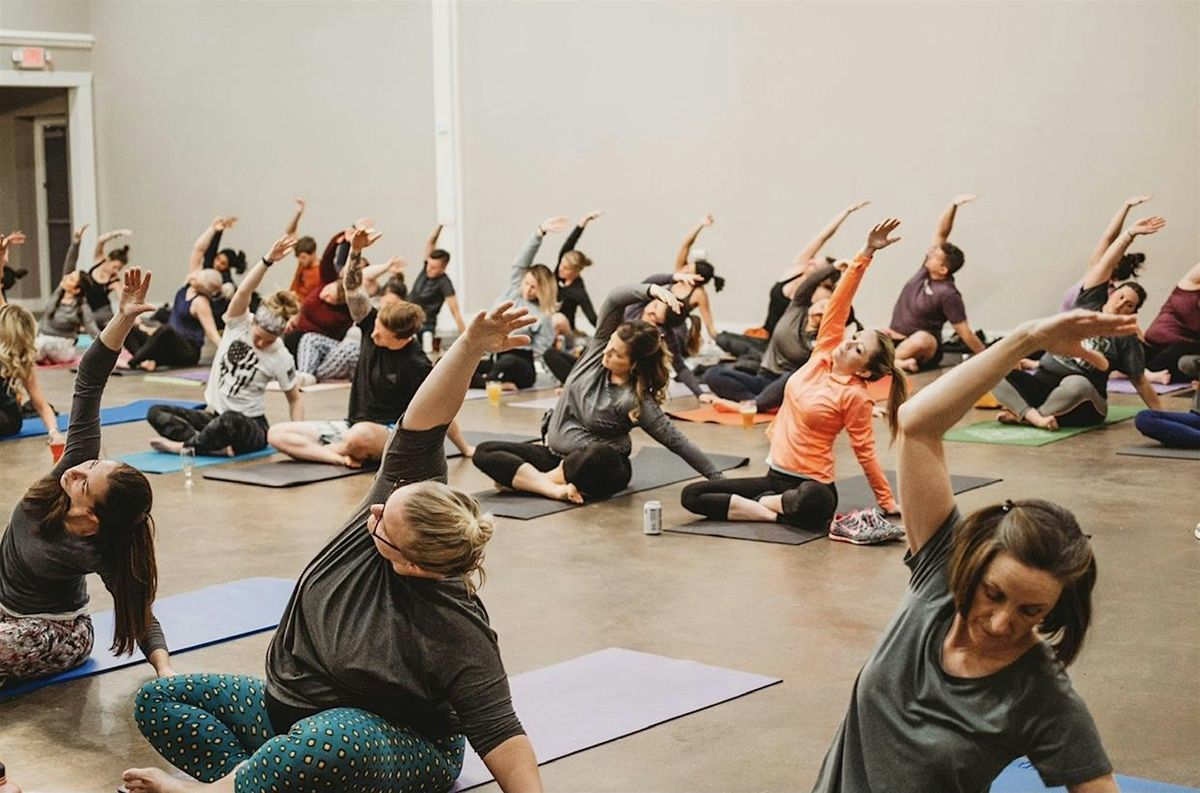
point(605, 695)
point(1120, 385)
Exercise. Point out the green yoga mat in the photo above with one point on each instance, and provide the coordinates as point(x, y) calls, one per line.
point(1023, 435)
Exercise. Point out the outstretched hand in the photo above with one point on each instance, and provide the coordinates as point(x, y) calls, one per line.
point(1064, 333)
point(879, 238)
point(281, 247)
point(300, 205)
point(691, 279)
point(79, 231)
point(589, 217)
point(15, 238)
point(1137, 199)
point(551, 225)
point(1148, 225)
point(396, 265)
point(856, 207)
point(223, 223)
point(660, 292)
point(133, 293)
point(360, 238)
point(490, 331)
point(707, 220)
point(112, 235)
point(965, 198)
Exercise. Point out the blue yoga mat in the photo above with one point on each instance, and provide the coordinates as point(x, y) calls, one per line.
point(153, 462)
point(192, 620)
point(1020, 777)
point(121, 414)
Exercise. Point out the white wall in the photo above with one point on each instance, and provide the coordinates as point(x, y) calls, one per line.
point(235, 108)
point(776, 115)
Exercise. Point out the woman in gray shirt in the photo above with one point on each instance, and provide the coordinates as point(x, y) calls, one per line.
point(618, 383)
point(67, 313)
point(970, 675)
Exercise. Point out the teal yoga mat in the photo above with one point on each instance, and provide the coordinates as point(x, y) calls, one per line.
point(153, 462)
point(121, 414)
point(1020, 777)
point(994, 432)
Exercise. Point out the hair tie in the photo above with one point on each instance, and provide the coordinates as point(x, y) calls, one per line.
point(1008, 505)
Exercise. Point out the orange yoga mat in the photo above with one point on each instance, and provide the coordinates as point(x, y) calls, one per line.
point(707, 414)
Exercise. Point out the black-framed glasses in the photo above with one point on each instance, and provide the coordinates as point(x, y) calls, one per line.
point(377, 534)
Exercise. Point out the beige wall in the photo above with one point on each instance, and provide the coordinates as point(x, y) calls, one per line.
point(775, 115)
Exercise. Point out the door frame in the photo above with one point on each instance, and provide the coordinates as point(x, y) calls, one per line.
point(81, 149)
point(43, 213)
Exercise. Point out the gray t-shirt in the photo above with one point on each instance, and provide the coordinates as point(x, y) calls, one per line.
point(1123, 353)
point(594, 409)
point(913, 728)
point(44, 574)
point(416, 651)
point(791, 345)
point(540, 333)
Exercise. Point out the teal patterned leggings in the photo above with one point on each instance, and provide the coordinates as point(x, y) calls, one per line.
point(208, 725)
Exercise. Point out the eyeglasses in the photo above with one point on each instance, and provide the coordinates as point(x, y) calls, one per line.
point(377, 534)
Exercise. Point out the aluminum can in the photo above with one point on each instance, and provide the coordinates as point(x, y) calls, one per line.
point(652, 517)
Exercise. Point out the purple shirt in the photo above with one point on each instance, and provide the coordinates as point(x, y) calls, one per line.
point(926, 304)
point(1178, 321)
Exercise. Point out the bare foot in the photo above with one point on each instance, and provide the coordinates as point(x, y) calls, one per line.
point(165, 446)
point(773, 502)
point(226, 452)
point(1161, 377)
point(350, 462)
point(909, 365)
point(1006, 416)
point(148, 366)
point(1041, 422)
point(569, 493)
point(155, 780)
point(468, 452)
point(1028, 365)
point(507, 386)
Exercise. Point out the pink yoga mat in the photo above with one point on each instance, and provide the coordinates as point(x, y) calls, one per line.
point(1122, 386)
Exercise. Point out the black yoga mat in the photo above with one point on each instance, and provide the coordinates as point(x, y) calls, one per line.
point(1155, 450)
point(652, 467)
point(290, 473)
point(854, 493)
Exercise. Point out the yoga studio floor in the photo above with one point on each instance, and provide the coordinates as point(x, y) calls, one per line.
point(569, 584)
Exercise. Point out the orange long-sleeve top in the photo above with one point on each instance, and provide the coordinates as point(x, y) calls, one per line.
point(819, 402)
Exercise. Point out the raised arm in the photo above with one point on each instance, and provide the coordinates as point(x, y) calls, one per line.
point(809, 283)
point(201, 309)
point(71, 260)
point(612, 312)
point(6, 242)
point(577, 232)
point(815, 245)
point(431, 243)
point(1114, 228)
point(294, 224)
point(1191, 280)
point(681, 258)
point(241, 298)
point(204, 250)
point(352, 275)
point(946, 222)
point(1102, 270)
point(833, 324)
point(524, 258)
point(98, 253)
point(925, 492)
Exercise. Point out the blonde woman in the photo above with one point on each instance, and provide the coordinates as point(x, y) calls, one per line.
point(535, 288)
point(384, 659)
point(18, 353)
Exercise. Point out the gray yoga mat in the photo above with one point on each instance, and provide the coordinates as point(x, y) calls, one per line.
point(1156, 450)
point(652, 467)
point(291, 473)
point(854, 493)
point(606, 695)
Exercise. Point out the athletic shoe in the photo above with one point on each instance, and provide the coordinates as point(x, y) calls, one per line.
point(851, 528)
point(874, 518)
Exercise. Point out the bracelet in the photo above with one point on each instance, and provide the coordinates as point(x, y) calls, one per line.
point(267, 262)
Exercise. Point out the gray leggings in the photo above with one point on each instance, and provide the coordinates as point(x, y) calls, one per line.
point(1073, 400)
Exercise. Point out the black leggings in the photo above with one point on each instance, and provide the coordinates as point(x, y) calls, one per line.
point(738, 345)
point(1167, 357)
point(807, 503)
point(165, 347)
point(501, 459)
point(597, 470)
point(207, 432)
point(560, 363)
point(512, 366)
point(11, 421)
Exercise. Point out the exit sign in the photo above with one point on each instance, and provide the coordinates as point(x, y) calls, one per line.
point(31, 58)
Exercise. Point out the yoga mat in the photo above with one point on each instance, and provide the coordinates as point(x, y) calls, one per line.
point(1024, 435)
point(606, 695)
point(652, 467)
point(1157, 450)
point(853, 493)
point(542, 403)
point(290, 473)
point(121, 414)
point(707, 414)
point(192, 620)
point(153, 462)
point(332, 385)
point(1119, 385)
point(1021, 777)
point(166, 379)
point(71, 364)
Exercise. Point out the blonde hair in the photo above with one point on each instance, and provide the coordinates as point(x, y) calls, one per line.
point(575, 261)
point(18, 329)
point(448, 532)
point(282, 304)
point(547, 288)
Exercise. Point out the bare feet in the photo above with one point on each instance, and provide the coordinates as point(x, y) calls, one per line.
point(909, 365)
point(148, 366)
point(165, 446)
point(773, 502)
point(1162, 377)
point(1041, 422)
point(569, 493)
point(468, 452)
point(1006, 416)
point(507, 386)
point(155, 780)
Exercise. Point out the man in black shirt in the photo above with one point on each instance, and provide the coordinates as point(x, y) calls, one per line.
point(432, 286)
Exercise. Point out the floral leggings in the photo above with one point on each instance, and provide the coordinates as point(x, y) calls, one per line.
point(31, 647)
point(213, 725)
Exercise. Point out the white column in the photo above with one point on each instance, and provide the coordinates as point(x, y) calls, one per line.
point(448, 142)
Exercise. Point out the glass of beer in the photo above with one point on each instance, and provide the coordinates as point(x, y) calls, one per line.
point(494, 390)
point(748, 409)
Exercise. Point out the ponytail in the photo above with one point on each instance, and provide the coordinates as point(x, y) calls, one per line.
point(126, 538)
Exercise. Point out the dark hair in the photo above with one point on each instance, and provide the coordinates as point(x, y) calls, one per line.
point(649, 355)
point(954, 257)
point(707, 273)
point(396, 286)
point(1137, 290)
point(1039, 534)
point(306, 245)
point(1129, 266)
point(597, 470)
point(884, 363)
point(236, 259)
point(402, 319)
point(125, 539)
point(438, 253)
point(119, 254)
point(11, 277)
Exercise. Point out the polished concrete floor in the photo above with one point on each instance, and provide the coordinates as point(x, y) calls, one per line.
point(587, 579)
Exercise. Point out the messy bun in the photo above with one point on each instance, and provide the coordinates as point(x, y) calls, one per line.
point(283, 304)
point(448, 532)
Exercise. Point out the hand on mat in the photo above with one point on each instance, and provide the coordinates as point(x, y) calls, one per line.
point(490, 331)
point(660, 292)
point(1064, 333)
point(1147, 226)
point(965, 198)
point(1137, 199)
point(360, 238)
point(133, 293)
point(878, 238)
point(281, 247)
point(550, 225)
point(589, 217)
point(79, 231)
